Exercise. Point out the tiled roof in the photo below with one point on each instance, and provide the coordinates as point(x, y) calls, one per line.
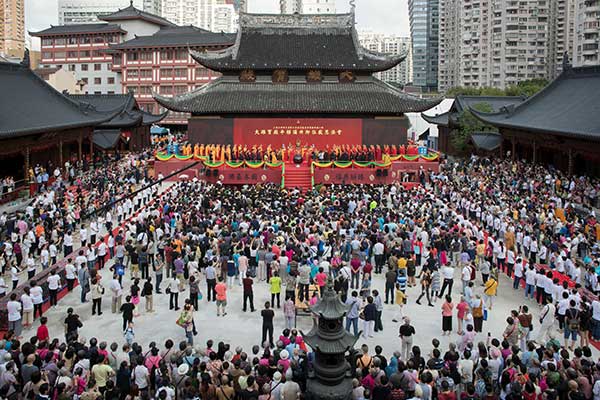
point(106, 138)
point(30, 105)
point(569, 106)
point(79, 29)
point(297, 42)
point(462, 103)
point(225, 95)
point(128, 112)
point(488, 141)
point(178, 36)
point(133, 13)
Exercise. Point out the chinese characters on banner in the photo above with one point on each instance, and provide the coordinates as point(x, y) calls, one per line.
point(292, 131)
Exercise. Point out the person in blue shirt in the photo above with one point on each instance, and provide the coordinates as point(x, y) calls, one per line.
point(352, 316)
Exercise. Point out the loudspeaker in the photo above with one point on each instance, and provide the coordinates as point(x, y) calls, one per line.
point(385, 172)
point(378, 172)
point(215, 172)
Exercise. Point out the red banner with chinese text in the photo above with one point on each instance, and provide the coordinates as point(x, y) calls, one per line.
point(297, 131)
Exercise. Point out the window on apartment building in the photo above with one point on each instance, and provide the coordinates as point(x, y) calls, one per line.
point(97, 92)
point(133, 56)
point(60, 54)
point(180, 72)
point(72, 54)
point(168, 90)
point(71, 67)
point(60, 41)
point(166, 73)
point(117, 59)
point(111, 80)
point(47, 42)
point(145, 73)
point(145, 56)
point(84, 54)
point(147, 90)
point(111, 92)
point(98, 39)
point(46, 55)
point(97, 53)
point(72, 40)
point(97, 67)
point(85, 40)
point(84, 67)
point(84, 80)
point(97, 81)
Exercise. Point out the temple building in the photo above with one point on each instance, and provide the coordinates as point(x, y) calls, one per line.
point(448, 123)
point(41, 125)
point(128, 130)
point(301, 79)
point(559, 126)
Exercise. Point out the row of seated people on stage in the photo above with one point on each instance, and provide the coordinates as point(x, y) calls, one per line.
point(218, 152)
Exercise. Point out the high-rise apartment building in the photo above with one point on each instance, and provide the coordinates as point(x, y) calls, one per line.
point(212, 15)
point(390, 44)
point(424, 32)
point(72, 12)
point(498, 43)
point(308, 6)
point(586, 46)
point(12, 28)
point(450, 39)
point(562, 34)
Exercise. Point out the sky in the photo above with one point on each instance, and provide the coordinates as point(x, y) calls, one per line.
point(381, 16)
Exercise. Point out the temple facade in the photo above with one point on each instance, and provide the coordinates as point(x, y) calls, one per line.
point(558, 126)
point(300, 79)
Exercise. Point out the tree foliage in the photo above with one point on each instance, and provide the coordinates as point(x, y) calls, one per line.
point(469, 124)
point(523, 88)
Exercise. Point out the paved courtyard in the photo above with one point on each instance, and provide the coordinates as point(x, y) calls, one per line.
point(244, 329)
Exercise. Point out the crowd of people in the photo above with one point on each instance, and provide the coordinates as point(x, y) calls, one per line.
point(471, 222)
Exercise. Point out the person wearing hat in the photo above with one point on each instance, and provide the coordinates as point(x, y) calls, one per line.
point(284, 361)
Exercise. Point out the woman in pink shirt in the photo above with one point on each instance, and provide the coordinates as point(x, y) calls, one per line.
point(462, 308)
point(447, 308)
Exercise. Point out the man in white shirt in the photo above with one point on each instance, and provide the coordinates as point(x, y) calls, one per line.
point(546, 321)
point(37, 296)
point(465, 278)
point(448, 275)
point(14, 315)
point(27, 304)
point(53, 287)
point(67, 244)
point(116, 292)
point(83, 235)
point(530, 282)
point(93, 232)
point(141, 377)
point(70, 274)
point(102, 251)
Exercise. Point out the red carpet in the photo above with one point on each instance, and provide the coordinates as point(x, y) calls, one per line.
point(298, 176)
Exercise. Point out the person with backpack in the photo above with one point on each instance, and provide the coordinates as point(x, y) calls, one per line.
point(572, 324)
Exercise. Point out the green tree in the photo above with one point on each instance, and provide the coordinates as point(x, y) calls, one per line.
point(524, 88)
point(469, 124)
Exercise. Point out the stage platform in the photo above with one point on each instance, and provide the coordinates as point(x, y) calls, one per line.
point(304, 176)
